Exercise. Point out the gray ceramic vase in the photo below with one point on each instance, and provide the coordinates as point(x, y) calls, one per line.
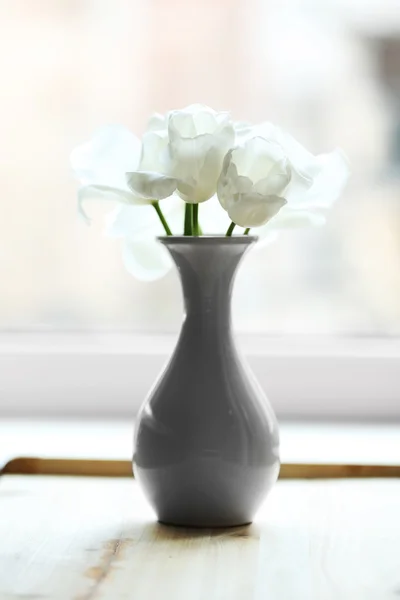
point(206, 439)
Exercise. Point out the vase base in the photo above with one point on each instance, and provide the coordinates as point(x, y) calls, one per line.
point(189, 525)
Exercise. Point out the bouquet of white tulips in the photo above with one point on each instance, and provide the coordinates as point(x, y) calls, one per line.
point(197, 171)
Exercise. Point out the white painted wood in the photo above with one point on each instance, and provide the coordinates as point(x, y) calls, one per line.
point(96, 539)
point(98, 373)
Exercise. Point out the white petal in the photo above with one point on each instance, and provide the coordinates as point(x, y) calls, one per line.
point(243, 185)
point(243, 130)
point(256, 157)
point(212, 122)
point(265, 156)
point(106, 158)
point(126, 221)
point(327, 174)
point(145, 258)
point(303, 162)
point(329, 182)
point(205, 122)
point(230, 184)
point(196, 163)
point(194, 109)
point(129, 221)
point(241, 158)
point(187, 154)
point(187, 158)
point(265, 162)
point(157, 122)
point(181, 125)
point(93, 192)
point(266, 130)
point(253, 210)
point(226, 185)
point(265, 237)
point(294, 219)
point(152, 186)
point(209, 174)
point(301, 159)
point(154, 155)
point(187, 190)
point(298, 187)
point(214, 159)
point(196, 119)
point(276, 182)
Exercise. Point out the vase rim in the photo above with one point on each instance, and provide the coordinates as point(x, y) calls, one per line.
point(207, 239)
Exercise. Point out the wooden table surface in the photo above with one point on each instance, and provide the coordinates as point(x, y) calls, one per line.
point(96, 538)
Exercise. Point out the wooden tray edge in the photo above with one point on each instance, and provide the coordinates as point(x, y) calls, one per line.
point(123, 468)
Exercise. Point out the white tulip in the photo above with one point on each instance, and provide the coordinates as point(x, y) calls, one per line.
point(199, 138)
point(253, 180)
point(106, 165)
point(269, 174)
point(192, 152)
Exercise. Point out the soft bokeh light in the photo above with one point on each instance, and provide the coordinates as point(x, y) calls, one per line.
point(327, 71)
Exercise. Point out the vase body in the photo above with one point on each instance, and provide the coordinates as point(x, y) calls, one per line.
point(206, 447)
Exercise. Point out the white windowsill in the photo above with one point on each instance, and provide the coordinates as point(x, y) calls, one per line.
point(317, 442)
point(109, 374)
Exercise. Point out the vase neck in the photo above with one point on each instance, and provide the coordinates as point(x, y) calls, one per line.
point(207, 267)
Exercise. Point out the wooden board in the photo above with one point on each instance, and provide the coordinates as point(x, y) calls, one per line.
point(64, 538)
point(123, 468)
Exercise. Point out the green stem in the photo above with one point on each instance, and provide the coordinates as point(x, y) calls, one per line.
point(196, 228)
point(161, 217)
point(188, 229)
point(246, 231)
point(230, 229)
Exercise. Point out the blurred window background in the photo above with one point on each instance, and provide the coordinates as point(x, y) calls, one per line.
point(326, 70)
